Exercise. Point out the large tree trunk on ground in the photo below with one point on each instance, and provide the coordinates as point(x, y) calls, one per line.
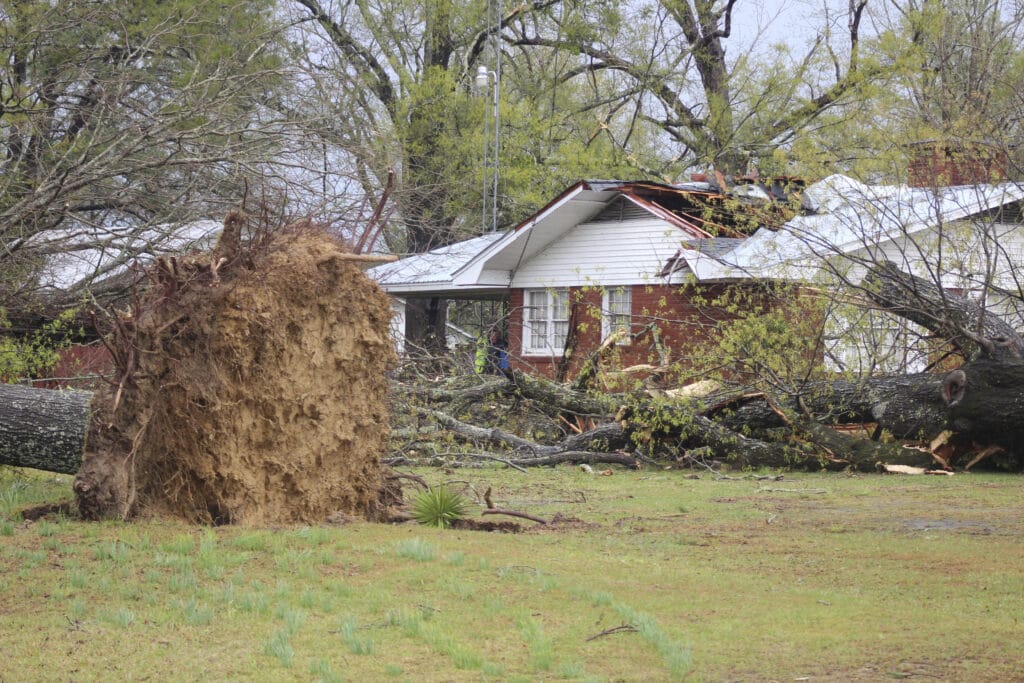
point(908, 406)
point(42, 428)
point(986, 402)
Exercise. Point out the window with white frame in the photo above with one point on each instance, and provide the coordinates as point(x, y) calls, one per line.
point(545, 320)
point(872, 342)
point(616, 313)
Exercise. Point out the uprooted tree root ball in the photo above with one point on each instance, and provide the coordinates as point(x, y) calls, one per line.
point(251, 388)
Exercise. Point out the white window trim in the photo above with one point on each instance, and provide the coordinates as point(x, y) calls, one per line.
point(549, 349)
point(606, 307)
point(873, 342)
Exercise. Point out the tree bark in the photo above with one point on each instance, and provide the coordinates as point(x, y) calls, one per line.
point(989, 407)
point(43, 428)
point(908, 406)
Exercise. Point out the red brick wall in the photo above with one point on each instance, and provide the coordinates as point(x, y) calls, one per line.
point(934, 164)
point(683, 315)
point(82, 361)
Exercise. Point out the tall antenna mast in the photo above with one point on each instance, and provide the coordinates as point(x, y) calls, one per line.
point(489, 82)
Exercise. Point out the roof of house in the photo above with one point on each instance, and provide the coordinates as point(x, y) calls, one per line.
point(431, 271)
point(840, 215)
point(843, 215)
point(699, 210)
point(485, 263)
point(75, 255)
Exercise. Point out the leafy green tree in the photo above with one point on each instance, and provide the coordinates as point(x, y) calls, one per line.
point(953, 78)
point(396, 89)
point(33, 354)
point(393, 82)
point(678, 78)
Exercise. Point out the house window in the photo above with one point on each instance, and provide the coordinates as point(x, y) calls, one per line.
point(616, 310)
point(545, 321)
point(871, 342)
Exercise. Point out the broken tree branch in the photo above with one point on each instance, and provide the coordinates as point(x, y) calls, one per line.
point(513, 513)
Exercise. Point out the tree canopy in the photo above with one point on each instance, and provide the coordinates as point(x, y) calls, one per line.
point(143, 116)
point(122, 122)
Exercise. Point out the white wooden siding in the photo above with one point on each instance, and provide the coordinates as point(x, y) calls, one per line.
point(606, 253)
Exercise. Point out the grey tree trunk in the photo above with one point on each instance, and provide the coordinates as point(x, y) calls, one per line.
point(43, 428)
point(987, 403)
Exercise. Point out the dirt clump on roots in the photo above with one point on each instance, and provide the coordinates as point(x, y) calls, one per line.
point(251, 388)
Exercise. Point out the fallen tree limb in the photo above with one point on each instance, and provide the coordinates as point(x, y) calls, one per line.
point(42, 428)
point(820, 447)
point(496, 458)
point(564, 398)
point(624, 628)
point(603, 435)
point(487, 386)
point(482, 434)
point(513, 513)
point(974, 331)
point(589, 457)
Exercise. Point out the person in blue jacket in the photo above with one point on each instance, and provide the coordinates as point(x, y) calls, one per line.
point(492, 356)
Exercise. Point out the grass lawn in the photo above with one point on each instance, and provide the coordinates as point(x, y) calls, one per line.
point(824, 577)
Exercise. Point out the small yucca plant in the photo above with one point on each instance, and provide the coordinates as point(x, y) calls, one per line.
point(438, 506)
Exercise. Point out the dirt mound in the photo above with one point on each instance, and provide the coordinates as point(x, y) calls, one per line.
point(251, 388)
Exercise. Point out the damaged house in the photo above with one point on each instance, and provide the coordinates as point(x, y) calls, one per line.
point(598, 261)
point(641, 267)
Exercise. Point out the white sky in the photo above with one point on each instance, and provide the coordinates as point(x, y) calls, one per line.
point(794, 22)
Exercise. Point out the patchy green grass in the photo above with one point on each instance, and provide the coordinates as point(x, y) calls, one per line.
point(655, 577)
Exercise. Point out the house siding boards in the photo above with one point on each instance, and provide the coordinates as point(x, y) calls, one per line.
point(600, 254)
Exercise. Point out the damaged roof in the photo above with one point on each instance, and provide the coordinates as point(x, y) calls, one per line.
point(700, 210)
point(842, 215)
point(713, 209)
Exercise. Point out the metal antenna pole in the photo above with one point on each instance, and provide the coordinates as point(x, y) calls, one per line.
point(497, 113)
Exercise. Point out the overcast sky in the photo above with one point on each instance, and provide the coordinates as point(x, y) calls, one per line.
point(795, 22)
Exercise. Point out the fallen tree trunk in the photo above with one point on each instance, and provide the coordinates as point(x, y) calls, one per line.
point(908, 406)
point(810, 446)
point(986, 403)
point(42, 428)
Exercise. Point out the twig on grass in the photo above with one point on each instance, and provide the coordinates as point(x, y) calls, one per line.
point(624, 628)
point(513, 513)
point(768, 490)
point(755, 477)
point(484, 456)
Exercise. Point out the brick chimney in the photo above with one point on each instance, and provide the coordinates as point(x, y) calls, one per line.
point(937, 163)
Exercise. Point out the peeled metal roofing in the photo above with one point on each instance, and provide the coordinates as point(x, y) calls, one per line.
point(710, 247)
point(845, 215)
